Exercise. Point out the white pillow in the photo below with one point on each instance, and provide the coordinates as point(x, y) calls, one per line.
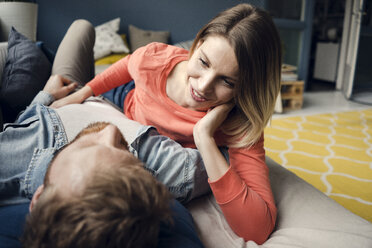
point(107, 40)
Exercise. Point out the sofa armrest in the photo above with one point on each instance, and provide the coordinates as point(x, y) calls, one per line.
point(3, 56)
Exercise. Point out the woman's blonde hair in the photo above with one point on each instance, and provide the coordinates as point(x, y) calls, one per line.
point(255, 40)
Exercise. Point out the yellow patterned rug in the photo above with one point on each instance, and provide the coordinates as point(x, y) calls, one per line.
point(333, 152)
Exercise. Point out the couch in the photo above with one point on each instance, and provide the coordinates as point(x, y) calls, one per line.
point(3, 56)
point(306, 217)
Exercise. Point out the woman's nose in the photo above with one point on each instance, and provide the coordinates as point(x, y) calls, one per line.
point(206, 82)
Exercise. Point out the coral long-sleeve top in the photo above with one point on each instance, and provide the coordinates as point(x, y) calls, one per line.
point(243, 192)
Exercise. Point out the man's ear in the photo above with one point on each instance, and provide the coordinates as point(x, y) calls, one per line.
point(36, 196)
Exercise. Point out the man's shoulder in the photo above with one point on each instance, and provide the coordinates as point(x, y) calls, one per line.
point(33, 111)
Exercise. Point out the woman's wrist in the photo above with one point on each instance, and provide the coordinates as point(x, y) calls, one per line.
point(204, 143)
point(86, 92)
point(201, 137)
point(214, 161)
point(82, 94)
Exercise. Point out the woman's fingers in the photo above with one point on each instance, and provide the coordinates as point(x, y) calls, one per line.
point(218, 114)
point(213, 119)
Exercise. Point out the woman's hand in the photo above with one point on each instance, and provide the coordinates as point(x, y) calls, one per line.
point(207, 126)
point(59, 86)
point(77, 97)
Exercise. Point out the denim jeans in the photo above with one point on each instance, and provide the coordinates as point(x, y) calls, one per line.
point(180, 234)
point(118, 94)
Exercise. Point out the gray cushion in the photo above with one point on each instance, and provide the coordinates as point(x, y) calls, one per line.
point(139, 37)
point(185, 44)
point(25, 73)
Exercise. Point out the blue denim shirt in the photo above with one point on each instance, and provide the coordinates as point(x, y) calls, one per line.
point(24, 160)
point(26, 149)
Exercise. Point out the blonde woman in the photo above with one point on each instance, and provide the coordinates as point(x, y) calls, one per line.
point(221, 93)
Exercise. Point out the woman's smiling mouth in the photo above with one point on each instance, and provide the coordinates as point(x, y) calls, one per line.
point(196, 96)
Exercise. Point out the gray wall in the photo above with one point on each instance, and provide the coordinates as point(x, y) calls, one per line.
point(183, 18)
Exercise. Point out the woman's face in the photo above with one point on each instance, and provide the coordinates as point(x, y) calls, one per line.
point(212, 74)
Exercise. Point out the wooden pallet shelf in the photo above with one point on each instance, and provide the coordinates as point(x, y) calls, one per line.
point(290, 97)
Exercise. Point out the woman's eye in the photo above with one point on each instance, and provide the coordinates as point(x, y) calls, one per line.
point(203, 62)
point(229, 84)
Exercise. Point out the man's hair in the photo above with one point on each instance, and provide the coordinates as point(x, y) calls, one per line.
point(119, 207)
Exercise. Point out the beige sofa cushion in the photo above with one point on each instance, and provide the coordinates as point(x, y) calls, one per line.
point(306, 218)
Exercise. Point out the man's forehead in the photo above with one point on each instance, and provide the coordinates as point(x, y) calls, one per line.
point(91, 128)
point(70, 168)
point(75, 159)
point(84, 154)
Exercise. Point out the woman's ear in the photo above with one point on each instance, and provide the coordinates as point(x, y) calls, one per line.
point(36, 196)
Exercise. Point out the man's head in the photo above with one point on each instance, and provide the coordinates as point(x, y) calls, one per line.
point(97, 194)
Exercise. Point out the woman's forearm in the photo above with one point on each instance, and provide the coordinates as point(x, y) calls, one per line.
point(204, 130)
point(77, 97)
point(214, 162)
point(84, 93)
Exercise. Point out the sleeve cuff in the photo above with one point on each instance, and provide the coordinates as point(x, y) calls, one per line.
point(227, 187)
point(43, 98)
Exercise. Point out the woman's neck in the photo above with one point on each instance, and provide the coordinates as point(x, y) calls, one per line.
point(177, 83)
